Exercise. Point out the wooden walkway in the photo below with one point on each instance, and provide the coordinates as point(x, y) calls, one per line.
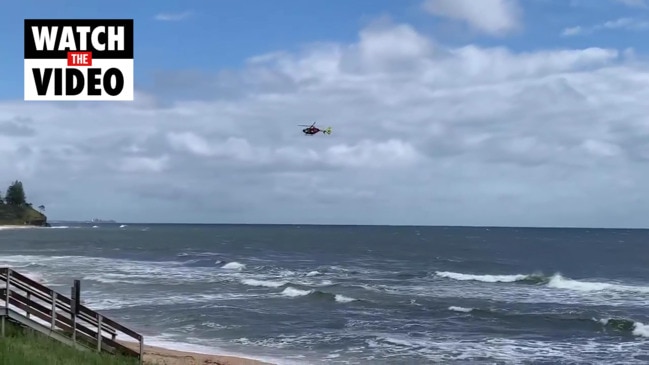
point(31, 304)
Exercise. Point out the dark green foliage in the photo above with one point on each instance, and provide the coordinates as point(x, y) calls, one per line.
point(15, 194)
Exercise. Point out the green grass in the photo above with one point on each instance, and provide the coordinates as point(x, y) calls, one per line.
point(25, 347)
point(18, 215)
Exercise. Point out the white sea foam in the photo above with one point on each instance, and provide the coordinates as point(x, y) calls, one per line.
point(343, 299)
point(313, 273)
point(105, 301)
point(264, 283)
point(293, 292)
point(168, 342)
point(556, 281)
point(459, 309)
point(107, 270)
point(503, 350)
point(641, 329)
point(233, 266)
point(559, 282)
point(174, 272)
point(110, 278)
point(483, 278)
point(438, 348)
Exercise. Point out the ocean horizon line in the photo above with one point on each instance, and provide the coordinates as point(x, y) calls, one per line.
point(341, 225)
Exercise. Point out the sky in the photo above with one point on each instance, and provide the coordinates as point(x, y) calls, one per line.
point(444, 112)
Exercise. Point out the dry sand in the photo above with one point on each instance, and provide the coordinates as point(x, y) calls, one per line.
point(161, 356)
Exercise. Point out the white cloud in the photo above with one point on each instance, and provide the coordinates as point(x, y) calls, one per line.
point(173, 17)
point(494, 17)
point(620, 23)
point(423, 135)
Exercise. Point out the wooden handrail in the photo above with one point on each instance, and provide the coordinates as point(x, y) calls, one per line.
point(67, 301)
point(66, 308)
point(57, 310)
point(64, 323)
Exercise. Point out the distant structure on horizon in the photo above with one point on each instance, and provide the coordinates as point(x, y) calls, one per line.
point(97, 220)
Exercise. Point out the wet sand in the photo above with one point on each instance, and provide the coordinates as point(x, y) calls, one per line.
point(161, 356)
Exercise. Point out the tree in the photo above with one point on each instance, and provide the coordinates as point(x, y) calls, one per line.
point(15, 194)
point(41, 208)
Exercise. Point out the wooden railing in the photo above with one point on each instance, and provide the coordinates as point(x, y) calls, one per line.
point(85, 327)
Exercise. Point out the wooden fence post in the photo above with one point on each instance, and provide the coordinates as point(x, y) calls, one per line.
point(141, 349)
point(7, 294)
point(99, 338)
point(73, 317)
point(29, 298)
point(55, 296)
point(8, 289)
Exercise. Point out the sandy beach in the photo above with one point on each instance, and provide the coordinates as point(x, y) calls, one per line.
point(160, 356)
point(8, 227)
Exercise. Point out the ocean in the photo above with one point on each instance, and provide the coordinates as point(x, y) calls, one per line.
point(359, 294)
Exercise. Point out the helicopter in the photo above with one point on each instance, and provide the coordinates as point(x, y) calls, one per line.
point(310, 130)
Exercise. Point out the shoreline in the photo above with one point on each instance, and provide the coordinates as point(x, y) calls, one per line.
point(165, 354)
point(15, 226)
point(158, 355)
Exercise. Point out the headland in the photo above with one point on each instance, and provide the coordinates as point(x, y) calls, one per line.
point(17, 212)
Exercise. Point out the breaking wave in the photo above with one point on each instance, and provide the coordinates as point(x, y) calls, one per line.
point(233, 266)
point(556, 281)
point(292, 292)
point(460, 309)
point(559, 282)
point(524, 278)
point(264, 283)
point(625, 326)
point(343, 299)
